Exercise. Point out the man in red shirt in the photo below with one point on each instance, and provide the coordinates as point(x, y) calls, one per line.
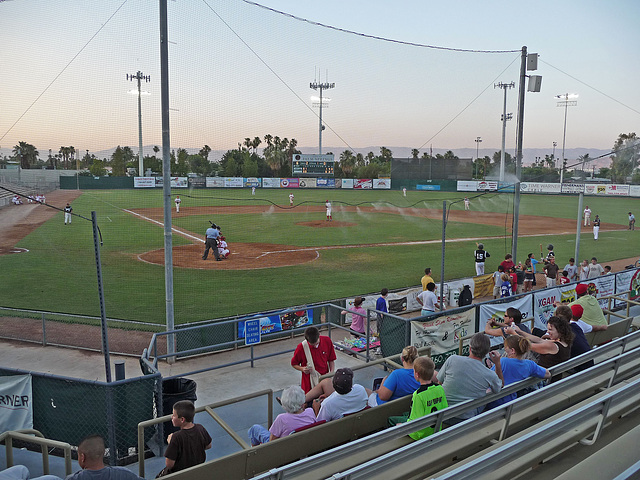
point(507, 263)
point(323, 357)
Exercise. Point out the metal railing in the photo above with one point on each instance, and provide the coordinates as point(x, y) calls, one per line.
point(209, 409)
point(27, 437)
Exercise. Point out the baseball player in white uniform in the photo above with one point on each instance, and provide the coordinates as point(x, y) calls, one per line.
point(404, 191)
point(328, 205)
point(466, 203)
point(587, 216)
point(291, 199)
point(253, 190)
point(178, 202)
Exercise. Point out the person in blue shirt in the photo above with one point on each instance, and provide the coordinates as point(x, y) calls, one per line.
point(534, 262)
point(381, 303)
point(211, 242)
point(399, 383)
point(505, 287)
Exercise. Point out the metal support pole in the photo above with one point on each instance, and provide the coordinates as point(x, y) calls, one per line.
point(320, 127)
point(504, 132)
point(578, 228)
point(166, 177)
point(444, 231)
point(103, 313)
point(519, 136)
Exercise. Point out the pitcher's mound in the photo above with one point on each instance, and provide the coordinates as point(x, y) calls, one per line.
point(244, 256)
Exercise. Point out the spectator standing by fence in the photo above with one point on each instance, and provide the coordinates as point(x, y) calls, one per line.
point(313, 357)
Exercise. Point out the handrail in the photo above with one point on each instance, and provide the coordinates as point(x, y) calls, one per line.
point(209, 409)
point(45, 443)
point(610, 366)
point(597, 409)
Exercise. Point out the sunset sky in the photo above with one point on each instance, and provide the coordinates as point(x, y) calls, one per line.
point(238, 70)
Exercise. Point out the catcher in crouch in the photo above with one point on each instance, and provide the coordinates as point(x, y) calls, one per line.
point(223, 247)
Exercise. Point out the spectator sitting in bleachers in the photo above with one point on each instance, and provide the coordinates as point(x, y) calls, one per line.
point(516, 368)
point(399, 383)
point(295, 416)
point(16, 200)
point(91, 460)
point(428, 398)
point(555, 347)
point(347, 397)
point(580, 344)
point(512, 316)
point(466, 378)
point(20, 472)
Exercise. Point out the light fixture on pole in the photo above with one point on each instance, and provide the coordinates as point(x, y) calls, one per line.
point(478, 140)
point(139, 77)
point(565, 100)
point(553, 154)
point(505, 117)
point(321, 87)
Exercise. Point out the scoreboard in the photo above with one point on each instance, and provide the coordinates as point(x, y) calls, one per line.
point(312, 165)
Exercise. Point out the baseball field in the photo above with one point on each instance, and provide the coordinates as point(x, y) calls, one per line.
point(280, 255)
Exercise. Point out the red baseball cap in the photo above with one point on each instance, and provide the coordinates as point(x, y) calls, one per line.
point(577, 311)
point(581, 289)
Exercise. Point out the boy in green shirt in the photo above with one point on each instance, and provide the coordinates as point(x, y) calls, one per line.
point(429, 398)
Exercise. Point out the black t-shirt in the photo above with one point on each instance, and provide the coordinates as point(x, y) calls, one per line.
point(579, 346)
point(187, 447)
point(481, 255)
point(551, 269)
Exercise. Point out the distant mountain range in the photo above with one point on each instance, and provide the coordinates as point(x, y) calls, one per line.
point(529, 154)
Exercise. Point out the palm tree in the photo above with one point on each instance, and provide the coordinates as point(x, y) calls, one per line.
point(27, 153)
point(584, 159)
point(204, 152)
point(256, 143)
point(268, 140)
point(347, 162)
point(415, 152)
point(248, 142)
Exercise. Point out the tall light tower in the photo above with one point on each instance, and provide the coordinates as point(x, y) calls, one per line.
point(139, 77)
point(478, 140)
point(553, 153)
point(505, 117)
point(564, 101)
point(321, 87)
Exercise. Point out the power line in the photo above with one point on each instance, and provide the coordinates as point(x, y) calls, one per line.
point(375, 37)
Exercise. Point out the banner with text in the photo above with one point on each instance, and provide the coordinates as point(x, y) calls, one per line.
point(347, 183)
point(307, 183)
point(144, 182)
point(601, 286)
point(443, 334)
point(628, 281)
point(270, 183)
point(215, 182)
point(16, 403)
point(382, 183)
point(280, 322)
point(490, 311)
point(362, 183)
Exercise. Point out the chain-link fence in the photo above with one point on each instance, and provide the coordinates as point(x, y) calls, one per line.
point(69, 409)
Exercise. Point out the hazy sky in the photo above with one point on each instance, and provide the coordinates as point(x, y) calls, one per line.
point(238, 70)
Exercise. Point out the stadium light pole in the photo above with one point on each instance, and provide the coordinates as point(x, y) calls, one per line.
point(565, 102)
point(139, 77)
point(478, 141)
point(321, 87)
point(505, 117)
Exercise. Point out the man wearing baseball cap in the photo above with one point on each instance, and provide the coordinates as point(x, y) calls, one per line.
point(592, 313)
point(347, 397)
point(580, 344)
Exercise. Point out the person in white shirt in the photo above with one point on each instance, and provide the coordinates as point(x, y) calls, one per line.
point(178, 202)
point(291, 199)
point(587, 216)
point(572, 270)
point(347, 397)
point(595, 269)
point(428, 299)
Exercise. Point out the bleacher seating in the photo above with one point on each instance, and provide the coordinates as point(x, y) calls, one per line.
point(375, 447)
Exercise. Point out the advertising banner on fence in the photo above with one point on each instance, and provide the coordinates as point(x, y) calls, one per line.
point(215, 182)
point(270, 183)
point(538, 187)
point(280, 322)
point(634, 190)
point(251, 182)
point(625, 282)
point(347, 183)
point(144, 182)
point(382, 183)
point(178, 182)
point(323, 182)
point(363, 183)
point(307, 183)
point(16, 403)
point(595, 189)
point(289, 182)
point(233, 182)
point(466, 186)
point(573, 188)
point(600, 287)
point(622, 190)
point(197, 182)
point(543, 303)
point(487, 186)
point(443, 334)
point(497, 311)
point(427, 187)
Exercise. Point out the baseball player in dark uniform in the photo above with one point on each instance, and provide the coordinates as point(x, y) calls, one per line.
point(67, 214)
point(211, 242)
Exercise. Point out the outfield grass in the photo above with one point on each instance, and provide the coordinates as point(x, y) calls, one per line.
point(59, 271)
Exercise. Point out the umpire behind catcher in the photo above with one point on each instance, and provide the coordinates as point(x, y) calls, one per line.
point(211, 242)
